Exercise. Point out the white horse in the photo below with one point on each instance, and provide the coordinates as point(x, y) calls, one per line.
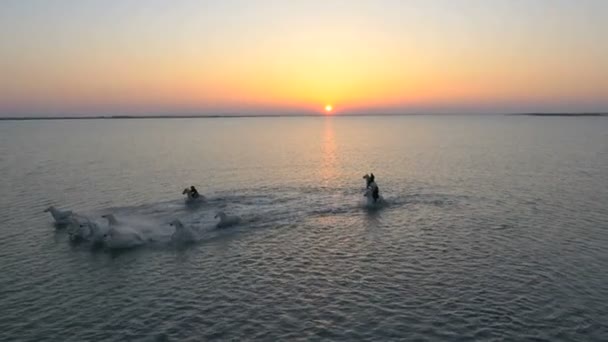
point(112, 221)
point(61, 217)
point(182, 233)
point(74, 229)
point(83, 229)
point(226, 220)
point(119, 235)
point(122, 237)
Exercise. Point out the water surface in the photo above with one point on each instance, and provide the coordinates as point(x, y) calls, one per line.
point(495, 228)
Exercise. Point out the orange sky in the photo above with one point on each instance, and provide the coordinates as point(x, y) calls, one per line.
point(161, 57)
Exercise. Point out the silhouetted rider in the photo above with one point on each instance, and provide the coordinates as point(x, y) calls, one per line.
point(193, 192)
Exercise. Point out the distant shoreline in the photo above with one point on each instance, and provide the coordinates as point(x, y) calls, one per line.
point(114, 117)
point(562, 114)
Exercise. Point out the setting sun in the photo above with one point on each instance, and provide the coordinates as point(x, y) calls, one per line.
point(329, 108)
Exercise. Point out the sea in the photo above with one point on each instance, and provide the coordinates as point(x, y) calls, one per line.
point(490, 228)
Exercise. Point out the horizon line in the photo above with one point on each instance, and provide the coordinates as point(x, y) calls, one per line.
point(219, 116)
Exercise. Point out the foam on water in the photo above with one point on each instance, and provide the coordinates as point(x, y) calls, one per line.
point(150, 224)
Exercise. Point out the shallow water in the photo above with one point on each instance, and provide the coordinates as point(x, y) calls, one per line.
point(493, 228)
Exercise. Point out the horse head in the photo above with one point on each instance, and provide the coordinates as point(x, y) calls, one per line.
point(111, 219)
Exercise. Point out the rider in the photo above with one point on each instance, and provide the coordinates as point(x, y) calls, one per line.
point(371, 183)
point(193, 192)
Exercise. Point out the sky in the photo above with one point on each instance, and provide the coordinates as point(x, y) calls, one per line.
point(152, 57)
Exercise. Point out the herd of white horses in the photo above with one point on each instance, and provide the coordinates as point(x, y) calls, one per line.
point(115, 234)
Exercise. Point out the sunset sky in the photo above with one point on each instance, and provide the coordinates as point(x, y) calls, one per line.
point(87, 57)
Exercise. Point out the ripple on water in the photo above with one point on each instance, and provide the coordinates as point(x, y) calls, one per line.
point(483, 237)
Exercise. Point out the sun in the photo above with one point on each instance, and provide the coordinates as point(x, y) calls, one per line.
point(329, 108)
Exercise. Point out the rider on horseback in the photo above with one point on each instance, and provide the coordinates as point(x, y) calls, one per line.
point(193, 192)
